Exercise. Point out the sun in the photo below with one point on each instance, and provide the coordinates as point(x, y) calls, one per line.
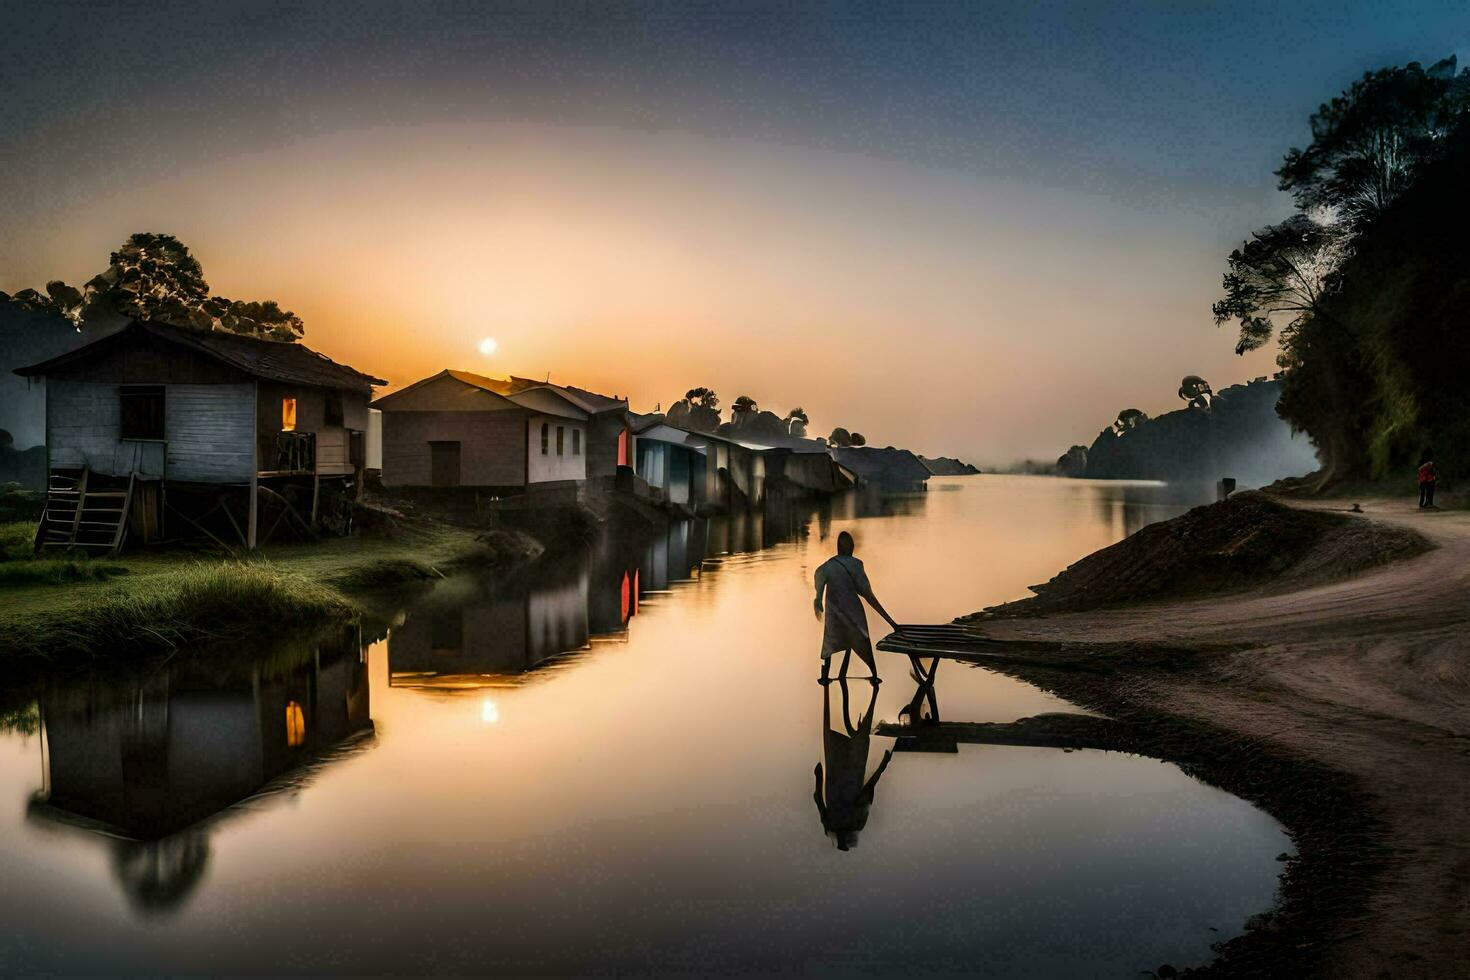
point(488, 346)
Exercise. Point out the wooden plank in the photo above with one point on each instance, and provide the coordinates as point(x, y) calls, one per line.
point(254, 512)
point(81, 496)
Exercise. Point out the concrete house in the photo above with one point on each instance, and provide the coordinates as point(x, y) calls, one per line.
point(166, 429)
point(609, 434)
point(461, 429)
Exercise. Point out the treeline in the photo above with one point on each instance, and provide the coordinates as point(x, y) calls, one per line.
point(699, 410)
point(1367, 285)
point(1235, 433)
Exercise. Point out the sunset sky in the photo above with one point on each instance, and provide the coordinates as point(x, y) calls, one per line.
point(964, 229)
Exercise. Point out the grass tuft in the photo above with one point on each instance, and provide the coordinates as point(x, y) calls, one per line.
point(200, 603)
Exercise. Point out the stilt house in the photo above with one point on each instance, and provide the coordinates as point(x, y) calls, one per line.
point(159, 430)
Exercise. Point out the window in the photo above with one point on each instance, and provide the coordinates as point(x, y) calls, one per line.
point(545, 437)
point(295, 724)
point(288, 415)
point(140, 413)
point(576, 442)
point(333, 409)
point(560, 438)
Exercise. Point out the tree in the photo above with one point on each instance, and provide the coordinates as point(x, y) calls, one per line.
point(858, 439)
point(743, 410)
point(697, 411)
point(840, 437)
point(1365, 281)
point(703, 397)
point(1368, 142)
point(155, 277)
point(1128, 420)
point(796, 421)
point(1196, 391)
point(1073, 462)
point(1284, 270)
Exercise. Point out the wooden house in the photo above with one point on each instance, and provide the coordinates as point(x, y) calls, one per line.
point(458, 429)
point(158, 427)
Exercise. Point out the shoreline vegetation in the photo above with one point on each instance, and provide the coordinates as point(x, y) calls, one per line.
point(1323, 686)
point(65, 610)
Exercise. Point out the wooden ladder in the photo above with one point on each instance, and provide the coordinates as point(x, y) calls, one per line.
point(79, 516)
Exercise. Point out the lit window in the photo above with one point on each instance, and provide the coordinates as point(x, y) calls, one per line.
point(560, 435)
point(288, 415)
point(295, 724)
point(545, 437)
point(576, 442)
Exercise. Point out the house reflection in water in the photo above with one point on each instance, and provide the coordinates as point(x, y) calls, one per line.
point(471, 634)
point(146, 764)
point(468, 634)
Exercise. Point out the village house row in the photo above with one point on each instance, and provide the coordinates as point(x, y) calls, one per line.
point(153, 431)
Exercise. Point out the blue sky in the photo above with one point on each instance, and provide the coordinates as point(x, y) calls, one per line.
point(1151, 123)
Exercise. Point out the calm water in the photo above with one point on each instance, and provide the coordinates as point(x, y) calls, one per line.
point(465, 794)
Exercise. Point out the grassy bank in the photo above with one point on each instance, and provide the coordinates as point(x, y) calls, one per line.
point(71, 608)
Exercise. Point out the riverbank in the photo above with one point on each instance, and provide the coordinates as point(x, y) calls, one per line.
point(59, 610)
point(1338, 707)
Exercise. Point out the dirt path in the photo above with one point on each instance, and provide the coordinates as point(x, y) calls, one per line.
point(1369, 677)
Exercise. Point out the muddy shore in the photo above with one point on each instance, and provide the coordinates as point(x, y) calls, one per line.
point(1339, 707)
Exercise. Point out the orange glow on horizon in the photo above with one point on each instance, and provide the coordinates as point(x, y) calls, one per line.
point(927, 310)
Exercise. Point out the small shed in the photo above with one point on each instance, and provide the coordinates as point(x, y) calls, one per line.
point(157, 422)
point(459, 429)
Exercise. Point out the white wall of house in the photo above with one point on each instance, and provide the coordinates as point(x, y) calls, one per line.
point(550, 466)
point(374, 437)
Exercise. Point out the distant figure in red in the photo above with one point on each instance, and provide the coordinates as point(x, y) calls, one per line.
point(843, 582)
point(1428, 473)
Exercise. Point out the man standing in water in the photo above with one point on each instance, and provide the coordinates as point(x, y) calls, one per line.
point(843, 582)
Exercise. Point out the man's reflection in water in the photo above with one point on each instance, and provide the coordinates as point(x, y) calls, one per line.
point(843, 795)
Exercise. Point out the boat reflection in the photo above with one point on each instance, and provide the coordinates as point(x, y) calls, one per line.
point(145, 764)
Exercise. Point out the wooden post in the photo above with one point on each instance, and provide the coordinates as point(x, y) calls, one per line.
point(255, 465)
point(254, 517)
point(316, 493)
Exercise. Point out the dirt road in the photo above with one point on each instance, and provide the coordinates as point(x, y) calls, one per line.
point(1368, 677)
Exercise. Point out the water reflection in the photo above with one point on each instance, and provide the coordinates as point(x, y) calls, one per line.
point(844, 791)
point(140, 763)
point(648, 809)
point(469, 633)
point(1129, 506)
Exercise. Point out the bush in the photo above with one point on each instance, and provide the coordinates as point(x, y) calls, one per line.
point(17, 540)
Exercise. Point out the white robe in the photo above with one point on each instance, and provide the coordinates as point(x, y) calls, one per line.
point(844, 584)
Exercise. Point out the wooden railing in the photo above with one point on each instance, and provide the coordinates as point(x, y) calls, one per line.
point(288, 452)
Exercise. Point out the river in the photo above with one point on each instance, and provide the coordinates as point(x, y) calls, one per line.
point(608, 765)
